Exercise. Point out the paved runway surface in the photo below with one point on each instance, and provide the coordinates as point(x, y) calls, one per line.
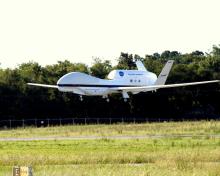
point(109, 137)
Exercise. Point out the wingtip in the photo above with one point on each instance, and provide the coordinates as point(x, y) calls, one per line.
point(170, 61)
point(30, 84)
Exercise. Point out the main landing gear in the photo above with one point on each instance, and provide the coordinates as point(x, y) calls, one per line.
point(106, 97)
point(125, 96)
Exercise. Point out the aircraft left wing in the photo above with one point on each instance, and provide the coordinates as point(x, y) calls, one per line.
point(43, 85)
point(155, 87)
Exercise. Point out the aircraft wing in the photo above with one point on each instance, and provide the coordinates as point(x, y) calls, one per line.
point(155, 87)
point(43, 85)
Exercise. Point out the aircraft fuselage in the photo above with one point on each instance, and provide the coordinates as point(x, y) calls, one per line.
point(84, 84)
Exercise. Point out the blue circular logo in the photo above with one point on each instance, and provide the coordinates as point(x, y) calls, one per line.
point(121, 73)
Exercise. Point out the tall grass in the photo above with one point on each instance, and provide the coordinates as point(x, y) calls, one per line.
point(151, 157)
point(169, 156)
point(194, 128)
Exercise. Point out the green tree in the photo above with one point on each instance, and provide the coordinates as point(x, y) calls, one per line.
point(100, 69)
point(126, 61)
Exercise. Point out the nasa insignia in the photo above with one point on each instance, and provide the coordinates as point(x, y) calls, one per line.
point(121, 73)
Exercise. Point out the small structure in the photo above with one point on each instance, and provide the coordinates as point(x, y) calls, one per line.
point(22, 171)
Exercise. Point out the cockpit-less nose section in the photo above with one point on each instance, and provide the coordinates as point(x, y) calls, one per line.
point(119, 81)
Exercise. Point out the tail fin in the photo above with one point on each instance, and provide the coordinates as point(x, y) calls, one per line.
point(140, 66)
point(164, 73)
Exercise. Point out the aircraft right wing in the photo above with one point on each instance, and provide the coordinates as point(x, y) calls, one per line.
point(155, 87)
point(43, 85)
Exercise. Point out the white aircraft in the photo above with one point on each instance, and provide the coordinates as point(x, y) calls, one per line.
point(119, 81)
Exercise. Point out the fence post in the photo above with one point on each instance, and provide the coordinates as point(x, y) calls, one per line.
point(23, 123)
point(48, 122)
point(60, 122)
point(110, 120)
point(85, 120)
point(97, 120)
point(10, 123)
point(73, 122)
point(35, 121)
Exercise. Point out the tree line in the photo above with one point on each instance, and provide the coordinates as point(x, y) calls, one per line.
point(19, 101)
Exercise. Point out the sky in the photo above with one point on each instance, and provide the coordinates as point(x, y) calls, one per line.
point(46, 31)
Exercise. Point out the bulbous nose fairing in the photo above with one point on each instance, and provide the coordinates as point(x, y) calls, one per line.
point(76, 78)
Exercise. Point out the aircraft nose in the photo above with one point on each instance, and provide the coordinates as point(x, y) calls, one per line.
point(63, 80)
point(68, 78)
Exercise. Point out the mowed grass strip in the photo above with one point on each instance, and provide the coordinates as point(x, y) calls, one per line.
point(170, 128)
point(176, 156)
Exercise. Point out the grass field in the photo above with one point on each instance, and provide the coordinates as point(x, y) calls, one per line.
point(170, 128)
point(151, 157)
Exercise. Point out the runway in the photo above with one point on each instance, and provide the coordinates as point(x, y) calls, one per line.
point(109, 137)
